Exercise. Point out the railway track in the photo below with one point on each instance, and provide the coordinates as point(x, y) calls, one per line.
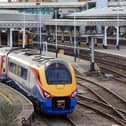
point(105, 102)
point(114, 106)
point(120, 79)
point(103, 112)
point(46, 120)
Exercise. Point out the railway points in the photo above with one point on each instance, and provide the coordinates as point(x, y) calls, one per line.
point(24, 106)
point(116, 56)
point(81, 65)
point(21, 33)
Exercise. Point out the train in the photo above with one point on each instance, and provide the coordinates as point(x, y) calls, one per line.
point(18, 38)
point(50, 82)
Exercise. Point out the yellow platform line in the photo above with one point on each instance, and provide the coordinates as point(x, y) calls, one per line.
point(6, 98)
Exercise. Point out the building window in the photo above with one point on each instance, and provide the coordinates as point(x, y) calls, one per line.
point(91, 5)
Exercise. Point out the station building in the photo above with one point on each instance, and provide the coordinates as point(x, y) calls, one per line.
point(21, 13)
point(100, 19)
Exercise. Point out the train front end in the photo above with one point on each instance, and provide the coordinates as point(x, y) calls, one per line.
point(58, 87)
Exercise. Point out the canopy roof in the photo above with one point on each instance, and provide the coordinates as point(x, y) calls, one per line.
point(42, 4)
point(107, 12)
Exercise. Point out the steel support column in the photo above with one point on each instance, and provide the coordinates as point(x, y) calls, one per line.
point(92, 64)
point(117, 37)
point(105, 45)
point(56, 11)
point(62, 37)
point(71, 36)
point(11, 42)
point(75, 41)
point(23, 46)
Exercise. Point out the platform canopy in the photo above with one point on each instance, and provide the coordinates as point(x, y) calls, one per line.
point(42, 4)
point(106, 13)
point(10, 19)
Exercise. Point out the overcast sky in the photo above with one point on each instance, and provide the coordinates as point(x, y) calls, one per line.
point(3, 0)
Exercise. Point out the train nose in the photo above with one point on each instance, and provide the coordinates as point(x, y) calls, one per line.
point(60, 86)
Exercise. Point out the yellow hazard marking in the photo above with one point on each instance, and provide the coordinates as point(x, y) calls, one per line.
point(6, 98)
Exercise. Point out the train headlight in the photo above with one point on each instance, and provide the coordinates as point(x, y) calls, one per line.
point(74, 94)
point(46, 95)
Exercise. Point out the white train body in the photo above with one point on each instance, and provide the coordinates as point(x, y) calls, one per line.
point(50, 82)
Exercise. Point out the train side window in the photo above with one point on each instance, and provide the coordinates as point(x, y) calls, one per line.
point(24, 73)
point(18, 70)
point(12, 67)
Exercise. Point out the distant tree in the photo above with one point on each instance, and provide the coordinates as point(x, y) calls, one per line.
point(7, 114)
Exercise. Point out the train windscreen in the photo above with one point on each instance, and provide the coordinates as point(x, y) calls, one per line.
point(58, 73)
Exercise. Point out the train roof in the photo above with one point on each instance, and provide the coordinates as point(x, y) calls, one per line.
point(27, 56)
point(4, 50)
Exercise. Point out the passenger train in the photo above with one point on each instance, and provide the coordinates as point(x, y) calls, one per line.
point(50, 82)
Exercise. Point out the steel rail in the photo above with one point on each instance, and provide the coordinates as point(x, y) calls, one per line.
point(102, 99)
point(117, 120)
point(108, 90)
point(102, 104)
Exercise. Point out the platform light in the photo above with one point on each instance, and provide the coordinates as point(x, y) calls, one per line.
point(3, 30)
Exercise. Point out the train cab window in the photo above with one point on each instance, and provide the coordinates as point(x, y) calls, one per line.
point(58, 74)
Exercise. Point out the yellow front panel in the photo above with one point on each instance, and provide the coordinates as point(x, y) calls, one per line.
point(58, 90)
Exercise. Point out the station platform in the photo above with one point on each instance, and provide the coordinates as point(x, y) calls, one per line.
point(112, 50)
point(23, 106)
point(82, 66)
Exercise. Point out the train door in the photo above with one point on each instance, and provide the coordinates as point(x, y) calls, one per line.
point(4, 38)
point(32, 79)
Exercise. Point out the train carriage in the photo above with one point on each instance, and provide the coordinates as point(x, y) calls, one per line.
point(49, 81)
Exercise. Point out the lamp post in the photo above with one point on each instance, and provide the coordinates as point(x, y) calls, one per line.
point(92, 63)
point(75, 42)
point(56, 32)
point(23, 46)
point(117, 43)
point(40, 31)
